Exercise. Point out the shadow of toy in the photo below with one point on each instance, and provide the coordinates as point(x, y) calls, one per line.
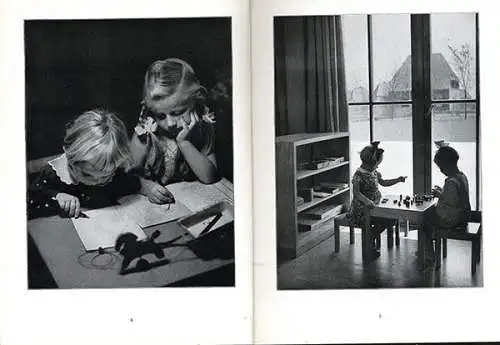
point(217, 244)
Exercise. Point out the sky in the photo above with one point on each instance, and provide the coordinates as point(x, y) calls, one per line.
point(392, 45)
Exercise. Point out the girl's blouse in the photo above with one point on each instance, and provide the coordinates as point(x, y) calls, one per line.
point(159, 157)
point(453, 207)
point(368, 186)
point(54, 178)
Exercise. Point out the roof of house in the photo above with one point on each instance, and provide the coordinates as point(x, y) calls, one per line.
point(441, 74)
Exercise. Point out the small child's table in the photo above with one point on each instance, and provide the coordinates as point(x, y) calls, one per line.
point(394, 207)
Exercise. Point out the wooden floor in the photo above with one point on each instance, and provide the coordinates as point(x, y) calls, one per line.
point(321, 268)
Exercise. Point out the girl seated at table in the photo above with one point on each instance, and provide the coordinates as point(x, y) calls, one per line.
point(92, 172)
point(174, 139)
point(453, 208)
point(366, 194)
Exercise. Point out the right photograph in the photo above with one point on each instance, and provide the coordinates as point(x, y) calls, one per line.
point(378, 151)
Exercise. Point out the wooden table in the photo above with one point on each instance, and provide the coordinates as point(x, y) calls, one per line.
point(63, 253)
point(415, 214)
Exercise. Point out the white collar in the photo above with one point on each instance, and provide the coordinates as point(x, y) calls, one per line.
point(60, 166)
point(363, 170)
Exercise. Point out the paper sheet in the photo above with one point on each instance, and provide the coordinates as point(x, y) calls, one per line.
point(197, 196)
point(134, 211)
point(144, 213)
point(103, 227)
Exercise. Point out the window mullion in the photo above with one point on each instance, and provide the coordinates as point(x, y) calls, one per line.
point(421, 96)
point(370, 72)
point(478, 123)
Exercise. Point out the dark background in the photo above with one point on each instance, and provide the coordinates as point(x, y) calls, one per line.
point(76, 65)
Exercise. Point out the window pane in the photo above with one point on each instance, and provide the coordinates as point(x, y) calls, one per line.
point(391, 47)
point(392, 126)
point(453, 61)
point(359, 128)
point(456, 124)
point(354, 28)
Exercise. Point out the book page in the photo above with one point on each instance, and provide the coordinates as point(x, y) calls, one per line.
point(106, 76)
point(353, 315)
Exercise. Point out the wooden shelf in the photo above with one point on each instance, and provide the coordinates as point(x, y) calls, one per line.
point(309, 239)
point(316, 201)
point(301, 174)
point(309, 138)
point(291, 151)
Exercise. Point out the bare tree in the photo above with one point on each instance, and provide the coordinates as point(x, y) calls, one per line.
point(462, 61)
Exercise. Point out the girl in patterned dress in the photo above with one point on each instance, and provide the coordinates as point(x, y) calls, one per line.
point(174, 139)
point(366, 194)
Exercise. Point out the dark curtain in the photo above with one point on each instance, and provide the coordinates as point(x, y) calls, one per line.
point(310, 93)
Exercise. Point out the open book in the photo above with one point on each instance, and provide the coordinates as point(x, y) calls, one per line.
point(97, 55)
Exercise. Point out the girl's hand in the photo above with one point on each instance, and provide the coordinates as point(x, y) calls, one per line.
point(69, 204)
point(186, 129)
point(370, 204)
point(436, 191)
point(155, 192)
point(402, 179)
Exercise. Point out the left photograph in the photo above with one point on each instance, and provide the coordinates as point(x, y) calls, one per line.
point(129, 153)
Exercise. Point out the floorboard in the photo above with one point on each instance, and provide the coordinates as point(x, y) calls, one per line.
point(322, 268)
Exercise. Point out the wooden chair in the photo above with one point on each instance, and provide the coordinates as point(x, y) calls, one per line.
point(472, 233)
point(342, 220)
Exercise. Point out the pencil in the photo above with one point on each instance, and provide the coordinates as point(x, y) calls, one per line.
point(83, 215)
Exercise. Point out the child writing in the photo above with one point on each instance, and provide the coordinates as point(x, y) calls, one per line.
point(453, 209)
point(91, 172)
point(366, 194)
point(175, 137)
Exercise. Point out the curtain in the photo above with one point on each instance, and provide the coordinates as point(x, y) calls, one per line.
point(310, 92)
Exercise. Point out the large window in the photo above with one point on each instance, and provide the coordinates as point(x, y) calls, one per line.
point(380, 63)
point(378, 75)
point(453, 82)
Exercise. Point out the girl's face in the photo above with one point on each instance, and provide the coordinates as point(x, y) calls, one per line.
point(86, 173)
point(168, 116)
point(379, 161)
point(443, 168)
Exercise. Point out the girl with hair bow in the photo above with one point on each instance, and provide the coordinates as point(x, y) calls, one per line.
point(174, 139)
point(366, 194)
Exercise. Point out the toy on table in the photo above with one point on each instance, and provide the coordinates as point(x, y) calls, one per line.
point(419, 199)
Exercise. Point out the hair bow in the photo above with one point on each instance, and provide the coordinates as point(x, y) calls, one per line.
point(374, 145)
point(441, 143)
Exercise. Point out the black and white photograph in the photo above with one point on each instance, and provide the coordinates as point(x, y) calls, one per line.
point(129, 153)
point(378, 151)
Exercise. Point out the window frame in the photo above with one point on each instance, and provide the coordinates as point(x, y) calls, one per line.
point(422, 102)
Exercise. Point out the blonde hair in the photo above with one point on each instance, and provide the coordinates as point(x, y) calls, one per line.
point(176, 80)
point(100, 138)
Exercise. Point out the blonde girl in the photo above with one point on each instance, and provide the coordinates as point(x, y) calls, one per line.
point(175, 136)
point(92, 171)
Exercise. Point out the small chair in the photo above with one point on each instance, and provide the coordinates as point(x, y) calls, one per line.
point(342, 220)
point(472, 233)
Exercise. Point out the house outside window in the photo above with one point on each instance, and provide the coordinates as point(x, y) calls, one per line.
point(384, 110)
